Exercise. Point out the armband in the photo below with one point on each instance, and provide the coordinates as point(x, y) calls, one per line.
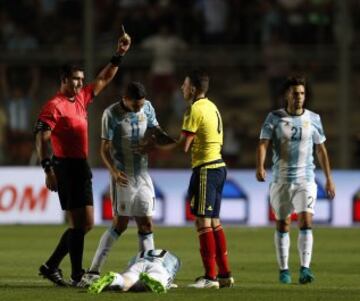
point(116, 60)
point(41, 126)
point(46, 164)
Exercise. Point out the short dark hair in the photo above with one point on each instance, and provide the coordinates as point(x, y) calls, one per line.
point(67, 70)
point(135, 91)
point(296, 80)
point(200, 80)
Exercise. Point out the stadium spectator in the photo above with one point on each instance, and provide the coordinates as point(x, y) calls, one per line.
point(277, 57)
point(18, 88)
point(3, 127)
point(215, 15)
point(126, 124)
point(63, 122)
point(272, 21)
point(233, 132)
point(164, 47)
point(7, 27)
point(22, 40)
point(293, 131)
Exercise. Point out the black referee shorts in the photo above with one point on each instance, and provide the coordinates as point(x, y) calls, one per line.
point(74, 179)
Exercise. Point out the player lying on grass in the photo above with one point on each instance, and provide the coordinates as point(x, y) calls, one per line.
point(153, 270)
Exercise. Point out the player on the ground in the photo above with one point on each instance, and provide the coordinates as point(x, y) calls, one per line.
point(63, 123)
point(293, 131)
point(126, 125)
point(153, 270)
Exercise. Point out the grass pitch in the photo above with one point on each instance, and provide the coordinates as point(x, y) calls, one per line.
point(336, 265)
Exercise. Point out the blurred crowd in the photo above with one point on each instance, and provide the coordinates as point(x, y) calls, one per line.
point(32, 24)
point(25, 24)
point(166, 34)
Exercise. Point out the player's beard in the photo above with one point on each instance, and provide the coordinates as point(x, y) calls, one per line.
point(72, 92)
point(77, 89)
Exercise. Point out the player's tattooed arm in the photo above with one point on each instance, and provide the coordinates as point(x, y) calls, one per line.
point(155, 138)
point(161, 137)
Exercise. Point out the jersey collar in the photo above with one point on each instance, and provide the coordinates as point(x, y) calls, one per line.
point(295, 115)
point(200, 98)
point(125, 108)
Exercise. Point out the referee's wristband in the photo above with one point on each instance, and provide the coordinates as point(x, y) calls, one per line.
point(116, 60)
point(46, 165)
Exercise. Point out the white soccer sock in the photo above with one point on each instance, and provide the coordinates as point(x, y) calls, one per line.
point(146, 241)
point(118, 281)
point(106, 242)
point(282, 246)
point(305, 245)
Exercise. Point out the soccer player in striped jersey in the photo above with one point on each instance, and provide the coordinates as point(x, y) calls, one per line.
point(125, 125)
point(293, 131)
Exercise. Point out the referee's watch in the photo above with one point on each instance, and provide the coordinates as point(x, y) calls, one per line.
point(46, 165)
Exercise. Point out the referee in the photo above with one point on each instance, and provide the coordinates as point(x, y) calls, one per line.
point(63, 125)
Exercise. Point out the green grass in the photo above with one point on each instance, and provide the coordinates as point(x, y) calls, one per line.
point(336, 265)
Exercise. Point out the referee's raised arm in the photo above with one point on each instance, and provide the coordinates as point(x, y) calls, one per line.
point(108, 72)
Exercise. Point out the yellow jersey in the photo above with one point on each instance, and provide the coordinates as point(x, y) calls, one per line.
point(204, 120)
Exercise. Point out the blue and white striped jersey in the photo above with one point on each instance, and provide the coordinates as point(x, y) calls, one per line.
point(293, 139)
point(126, 129)
point(168, 260)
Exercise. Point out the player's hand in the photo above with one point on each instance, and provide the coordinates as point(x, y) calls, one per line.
point(120, 178)
point(261, 174)
point(124, 42)
point(51, 181)
point(330, 188)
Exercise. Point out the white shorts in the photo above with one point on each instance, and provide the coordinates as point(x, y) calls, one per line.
point(135, 199)
point(153, 269)
point(287, 198)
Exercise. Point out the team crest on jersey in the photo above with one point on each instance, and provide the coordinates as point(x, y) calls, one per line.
point(141, 117)
point(306, 124)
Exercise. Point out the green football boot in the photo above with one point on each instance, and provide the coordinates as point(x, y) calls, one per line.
point(103, 282)
point(285, 277)
point(153, 284)
point(306, 276)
